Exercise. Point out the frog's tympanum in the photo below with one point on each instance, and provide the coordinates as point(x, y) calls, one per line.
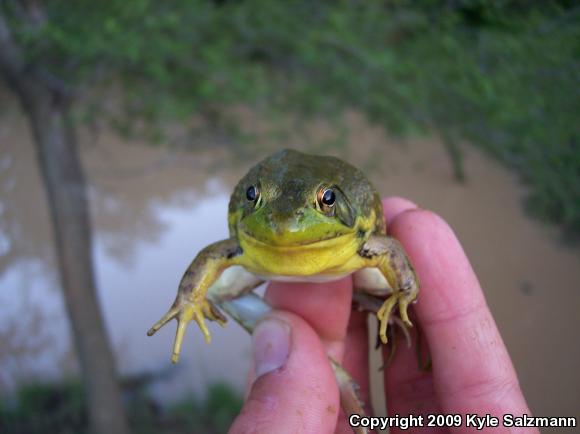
point(297, 217)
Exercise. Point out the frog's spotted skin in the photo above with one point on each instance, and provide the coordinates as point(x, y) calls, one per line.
point(297, 217)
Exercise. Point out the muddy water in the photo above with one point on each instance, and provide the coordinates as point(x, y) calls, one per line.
point(153, 208)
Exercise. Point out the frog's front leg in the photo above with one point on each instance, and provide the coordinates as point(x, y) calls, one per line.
point(191, 302)
point(386, 255)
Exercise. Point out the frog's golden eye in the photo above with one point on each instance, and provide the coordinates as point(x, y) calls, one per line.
point(326, 198)
point(252, 193)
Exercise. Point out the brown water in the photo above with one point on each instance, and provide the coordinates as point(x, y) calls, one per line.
point(153, 208)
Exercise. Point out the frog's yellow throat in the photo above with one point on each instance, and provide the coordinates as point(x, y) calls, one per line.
point(331, 257)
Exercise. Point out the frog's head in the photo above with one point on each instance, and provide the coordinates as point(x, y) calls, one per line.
point(293, 199)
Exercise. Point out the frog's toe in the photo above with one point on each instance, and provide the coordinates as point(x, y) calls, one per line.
point(403, 306)
point(172, 313)
point(199, 317)
point(384, 314)
point(181, 326)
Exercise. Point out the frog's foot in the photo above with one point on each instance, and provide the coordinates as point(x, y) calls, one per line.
point(384, 313)
point(184, 311)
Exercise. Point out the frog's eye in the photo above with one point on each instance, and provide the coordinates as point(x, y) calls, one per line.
point(326, 199)
point(252, 193)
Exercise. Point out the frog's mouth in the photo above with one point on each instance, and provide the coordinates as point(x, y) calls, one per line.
point(329, 255)
point(329, 240)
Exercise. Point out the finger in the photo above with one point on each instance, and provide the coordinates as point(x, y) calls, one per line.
point(395, 205)
point(295, 391)
point(356, 356)
point(409, 390)
point(472, 370)
point(325, 306)
point(356, 353)
point(356, 362)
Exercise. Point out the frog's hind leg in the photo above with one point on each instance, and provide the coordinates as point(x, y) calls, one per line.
point(349, 394)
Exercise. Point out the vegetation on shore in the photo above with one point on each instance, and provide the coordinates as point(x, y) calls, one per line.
point(62, 408)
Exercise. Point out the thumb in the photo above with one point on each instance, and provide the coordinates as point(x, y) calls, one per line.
point(295, 390)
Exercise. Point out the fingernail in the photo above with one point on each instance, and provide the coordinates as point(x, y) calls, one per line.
point(270, 345)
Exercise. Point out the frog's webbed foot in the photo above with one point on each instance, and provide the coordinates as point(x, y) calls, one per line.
point(185, 311)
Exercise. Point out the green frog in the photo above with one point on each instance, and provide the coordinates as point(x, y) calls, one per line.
point(297, 217)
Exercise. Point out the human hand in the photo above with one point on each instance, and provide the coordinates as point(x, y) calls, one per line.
point(293, 389)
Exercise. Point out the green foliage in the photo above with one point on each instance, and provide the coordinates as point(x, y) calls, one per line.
point(215, 414)
point(42, 408)
point(503, 74)
point(61, 408)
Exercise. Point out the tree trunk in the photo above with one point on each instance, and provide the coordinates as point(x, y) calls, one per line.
point(47, 111)
point(66, 190)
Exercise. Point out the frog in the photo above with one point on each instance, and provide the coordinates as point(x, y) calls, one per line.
point(297, 217)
